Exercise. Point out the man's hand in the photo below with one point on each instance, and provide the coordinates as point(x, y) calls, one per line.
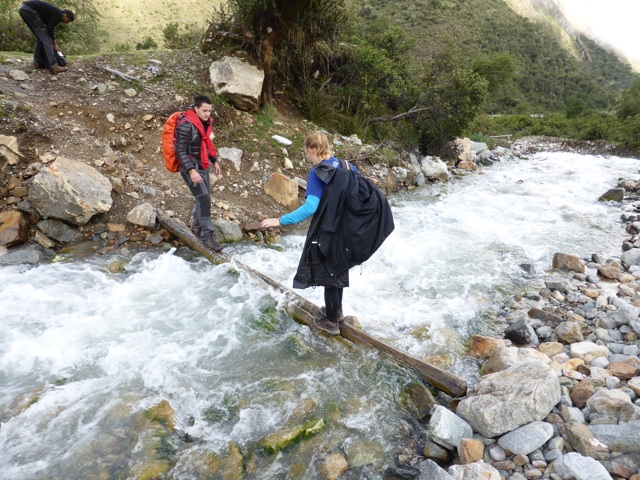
point(216, 168)
point(195, 176)
point(270, 223)
point(55, 46)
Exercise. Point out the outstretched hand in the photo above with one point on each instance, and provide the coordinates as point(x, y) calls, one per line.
point(270, 223)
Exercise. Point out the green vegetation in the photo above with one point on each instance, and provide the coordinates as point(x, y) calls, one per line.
point(148, 43)
point(176, 40)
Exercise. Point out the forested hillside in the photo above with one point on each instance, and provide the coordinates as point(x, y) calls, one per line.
point(547, 75)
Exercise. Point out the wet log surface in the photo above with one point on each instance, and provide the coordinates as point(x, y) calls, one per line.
point(304, 312)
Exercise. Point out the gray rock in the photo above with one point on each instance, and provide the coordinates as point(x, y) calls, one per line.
point(474, 471)
point(71, 191)
point(430, 470)
point(613, 195)
point(521, 333)
point(497, 454)
point(447, 429)
point(143, 215)
point(234, 155)
point(225, 231)
point(631, 257)
point(506, 400)
point(574, 466)
point(60, 231)
point(238, 81)
point(561, 284)
point(623, 438)
point(526, 439)
point(434, 169)
point(29, 256)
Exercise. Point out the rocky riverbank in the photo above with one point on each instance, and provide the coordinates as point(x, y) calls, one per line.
point(558, 396)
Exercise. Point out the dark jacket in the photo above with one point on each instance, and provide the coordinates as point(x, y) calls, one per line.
point(188, 144)
point(351, 222)
point(49, 14)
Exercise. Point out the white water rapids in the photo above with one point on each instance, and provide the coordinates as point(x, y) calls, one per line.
point(83, 351)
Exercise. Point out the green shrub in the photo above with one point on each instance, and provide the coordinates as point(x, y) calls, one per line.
point(148, 43)
point(175, 40)
point(629, 102)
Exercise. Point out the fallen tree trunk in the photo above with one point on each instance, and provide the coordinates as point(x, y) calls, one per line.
point(304, 311)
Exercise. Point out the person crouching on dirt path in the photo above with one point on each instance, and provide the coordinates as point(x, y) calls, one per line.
point(42, 19)
point(196, 153)
point(318, 151)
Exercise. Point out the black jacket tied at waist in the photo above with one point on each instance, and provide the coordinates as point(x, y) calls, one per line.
point(351, 222)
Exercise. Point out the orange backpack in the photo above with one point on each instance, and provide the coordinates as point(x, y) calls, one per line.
point(168, 141)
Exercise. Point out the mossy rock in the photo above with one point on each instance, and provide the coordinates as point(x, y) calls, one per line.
point(266, 321)
point(152, 470)
point(227, 411)
point(297, 346)
point(277, 441)
point(233, 464)
point(163, 414)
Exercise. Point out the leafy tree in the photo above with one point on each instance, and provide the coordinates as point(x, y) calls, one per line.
point(452, 97)
point(498, 69)
point(629, 102)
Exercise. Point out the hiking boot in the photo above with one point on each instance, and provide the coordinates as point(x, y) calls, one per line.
point(196, 230)
point(56, 69)
point(37, 65)
point(326, 325)
point(323, 311)
point(212, 244)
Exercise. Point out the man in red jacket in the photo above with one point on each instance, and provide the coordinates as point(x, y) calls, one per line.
point(42, 18)
point(196, 153)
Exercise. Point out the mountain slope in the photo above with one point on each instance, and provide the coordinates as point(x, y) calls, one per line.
point(552, 66)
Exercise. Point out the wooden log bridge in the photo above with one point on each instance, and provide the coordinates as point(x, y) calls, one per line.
point(304, 312)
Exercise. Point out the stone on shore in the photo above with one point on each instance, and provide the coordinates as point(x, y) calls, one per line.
point(622, 438)
point(510, 357)
point(578, 467)
point(448, 429)
point(568, 262)
point(588, 351)
point(14, 228)
point(71, 191)
point(226, 231)
point(526, 439)
point(506, 400)
point(143, 215)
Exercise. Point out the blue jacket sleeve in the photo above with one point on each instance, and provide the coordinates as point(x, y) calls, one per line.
point(303, 212)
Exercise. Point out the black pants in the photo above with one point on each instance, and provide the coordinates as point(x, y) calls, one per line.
point(44, 42)
point(201, 213)
point(333, 302)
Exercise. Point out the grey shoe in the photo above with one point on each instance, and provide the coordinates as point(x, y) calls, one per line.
point(212, 244)
point(323, 311)
point(326, 325)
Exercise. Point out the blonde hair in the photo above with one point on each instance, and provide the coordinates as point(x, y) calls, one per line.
point(320, 142)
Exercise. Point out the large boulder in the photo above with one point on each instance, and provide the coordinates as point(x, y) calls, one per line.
point(283, 190)
point(238, 81)
point(71, 191)
point(434, 169)
point(506, 400)
point(14, 228)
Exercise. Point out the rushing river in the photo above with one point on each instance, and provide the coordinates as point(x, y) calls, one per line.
point(85, 353)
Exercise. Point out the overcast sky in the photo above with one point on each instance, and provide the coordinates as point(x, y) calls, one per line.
point(614, 22)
